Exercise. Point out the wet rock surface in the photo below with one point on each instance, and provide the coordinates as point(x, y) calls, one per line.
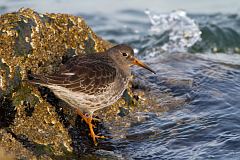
point(35, 124)
point(30, 41)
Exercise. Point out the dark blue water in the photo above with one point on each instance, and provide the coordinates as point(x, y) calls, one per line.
point(206, 127)
point(196, 57)
point(206, 74)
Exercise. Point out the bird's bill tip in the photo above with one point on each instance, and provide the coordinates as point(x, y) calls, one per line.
point(141, 64)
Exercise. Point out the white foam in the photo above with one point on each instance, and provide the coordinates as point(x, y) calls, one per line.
point(183, 31)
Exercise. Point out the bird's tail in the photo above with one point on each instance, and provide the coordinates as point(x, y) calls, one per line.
point(35, 79)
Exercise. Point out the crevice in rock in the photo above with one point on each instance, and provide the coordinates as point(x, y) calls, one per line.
point(7, 112)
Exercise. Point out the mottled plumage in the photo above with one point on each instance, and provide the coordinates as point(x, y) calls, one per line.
point(88, 82)
point(92, 81)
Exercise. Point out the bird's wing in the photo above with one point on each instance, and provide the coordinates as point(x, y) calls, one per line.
point(87, 75)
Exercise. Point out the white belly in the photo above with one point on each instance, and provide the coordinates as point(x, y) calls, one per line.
point(89, 103)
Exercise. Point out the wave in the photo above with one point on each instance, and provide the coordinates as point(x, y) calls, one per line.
point(181, 32)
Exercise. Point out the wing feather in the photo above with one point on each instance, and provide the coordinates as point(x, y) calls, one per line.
point(87, 74)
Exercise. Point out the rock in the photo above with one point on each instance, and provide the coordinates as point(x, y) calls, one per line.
point(5, 156)
point(29, 41)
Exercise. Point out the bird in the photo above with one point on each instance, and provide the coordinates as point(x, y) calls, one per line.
point(89, 82)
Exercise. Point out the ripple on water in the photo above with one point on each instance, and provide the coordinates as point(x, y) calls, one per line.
point(205, 127)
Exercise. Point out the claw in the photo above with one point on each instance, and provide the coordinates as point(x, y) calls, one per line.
point(88, 120)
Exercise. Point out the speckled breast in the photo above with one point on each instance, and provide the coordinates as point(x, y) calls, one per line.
point(92, 102)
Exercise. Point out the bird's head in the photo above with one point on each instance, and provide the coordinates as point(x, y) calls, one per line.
point(125, 54)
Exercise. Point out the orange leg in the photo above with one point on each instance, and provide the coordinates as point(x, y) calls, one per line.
point(88, 120)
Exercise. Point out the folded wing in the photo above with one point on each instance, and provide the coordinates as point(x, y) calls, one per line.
point(90, 75)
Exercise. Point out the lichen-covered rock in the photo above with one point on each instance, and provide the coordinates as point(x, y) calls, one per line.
point(39, 42)
point(12, 146)
point(30, 41)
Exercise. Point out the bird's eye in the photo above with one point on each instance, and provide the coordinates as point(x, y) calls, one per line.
point(124, 54)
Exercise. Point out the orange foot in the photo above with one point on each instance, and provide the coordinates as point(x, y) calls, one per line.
point(88, 120)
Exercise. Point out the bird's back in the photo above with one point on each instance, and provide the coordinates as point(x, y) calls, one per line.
point(89, 82)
